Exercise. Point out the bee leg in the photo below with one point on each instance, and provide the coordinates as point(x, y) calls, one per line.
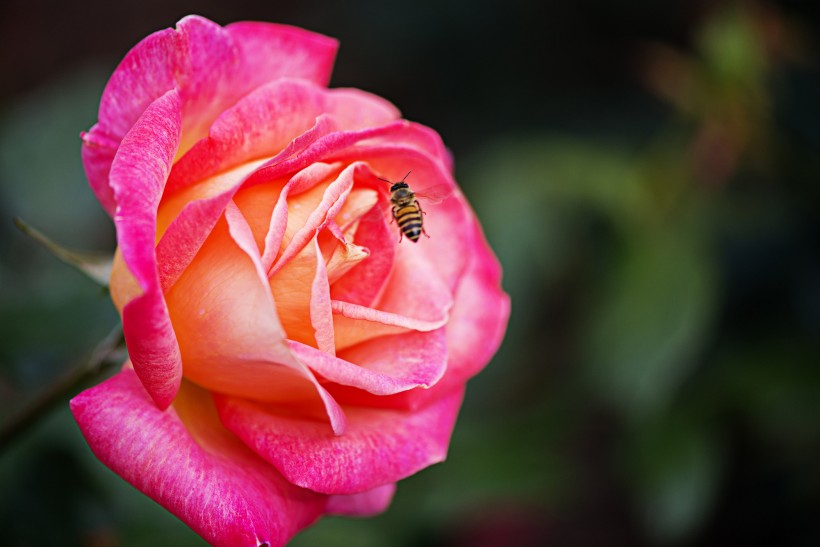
point(425, 232)
point(418, 206)
point(401, 235)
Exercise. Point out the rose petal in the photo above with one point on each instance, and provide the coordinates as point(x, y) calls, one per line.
point(267, 120)
point(210, 66)
point(366, 504)
point(418, 137)
point(365, 283)
point(228, 331)
point(269, 51)
point(187, 462)
point(379, 447)
point(137, 178)
point(415, 298)
point(321, 317)
point(201, 207)
point(342, 255)
point(185, 221)
point(303, 300)
point(281, 226)
point(475, 329)
point(477, 321)
point(240, 232)
point(315, 216)
point(385, 365)
point(320, 144)
point(354, 324)
point(444, 222)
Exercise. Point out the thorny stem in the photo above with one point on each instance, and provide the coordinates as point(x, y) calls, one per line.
point(104, 355)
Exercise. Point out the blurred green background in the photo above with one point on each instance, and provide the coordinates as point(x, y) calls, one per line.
point(647, 173)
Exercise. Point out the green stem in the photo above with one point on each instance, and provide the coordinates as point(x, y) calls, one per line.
point(104, 355)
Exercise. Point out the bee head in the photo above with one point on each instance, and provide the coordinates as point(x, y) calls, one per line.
point(397, 185)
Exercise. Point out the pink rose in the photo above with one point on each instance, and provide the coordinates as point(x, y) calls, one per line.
point(289, 357)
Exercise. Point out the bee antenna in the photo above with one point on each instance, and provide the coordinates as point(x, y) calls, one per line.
point(385, 180)
point(405, 176)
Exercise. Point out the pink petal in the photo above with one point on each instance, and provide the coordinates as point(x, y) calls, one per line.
point(98, 153)
point(475, 329)
point(137, 179)
point(321, 317)
point(281, 227)
point(229, 334)
point(415, 298)
point(477, 323)
point(479, 316)
point(309, 149)
point(241, 234)
point(210, 66)
point(331, 202)
point(384, 365)
point(418, 137)
point(292, 290)
point(445, 222)
point(380, 446)
point(314, 147)
point(187, 462)
point(266, 121)
point(365, 283)
point(354, 324)
point(269, 51)
point(186, 235)
point(188, 231)
point(366, 504)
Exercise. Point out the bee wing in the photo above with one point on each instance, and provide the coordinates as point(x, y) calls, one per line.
point(435, 194)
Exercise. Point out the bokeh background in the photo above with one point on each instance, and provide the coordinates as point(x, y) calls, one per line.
point(649, 176)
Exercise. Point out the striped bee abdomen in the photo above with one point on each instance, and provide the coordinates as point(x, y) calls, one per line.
point(409, 220)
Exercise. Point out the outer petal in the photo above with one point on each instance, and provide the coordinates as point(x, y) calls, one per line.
point(475, 329)
point(184, 460)
point(186, 220)
point(479, 316)
point(379, 447)
point(265, 121)
point(211, 67)
point(366, 504)
point(269, 51)
point(138, 177)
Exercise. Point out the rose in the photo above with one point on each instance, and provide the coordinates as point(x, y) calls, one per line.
point(288, 357)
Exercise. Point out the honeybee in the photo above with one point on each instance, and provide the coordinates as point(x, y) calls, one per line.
point(406, 209)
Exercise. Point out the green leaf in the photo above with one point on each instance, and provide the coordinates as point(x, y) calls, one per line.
point(676, 465)
point(647, 327)
point(96, 266)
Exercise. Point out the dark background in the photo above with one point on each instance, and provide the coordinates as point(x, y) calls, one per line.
point(647, 173)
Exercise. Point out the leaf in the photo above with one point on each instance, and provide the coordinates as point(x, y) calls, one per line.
point(677, 463)
point(96, 266)
point(646, 330)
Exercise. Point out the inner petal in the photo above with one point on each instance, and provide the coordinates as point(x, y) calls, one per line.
point(228, 332)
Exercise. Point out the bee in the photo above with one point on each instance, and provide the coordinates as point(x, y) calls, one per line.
point(407, 211)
